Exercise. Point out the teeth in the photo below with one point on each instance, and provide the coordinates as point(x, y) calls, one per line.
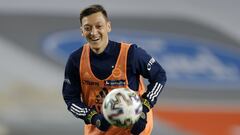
point(95, 39)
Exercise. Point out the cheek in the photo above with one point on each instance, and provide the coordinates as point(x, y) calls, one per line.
point(85, 34)
point(105, 31)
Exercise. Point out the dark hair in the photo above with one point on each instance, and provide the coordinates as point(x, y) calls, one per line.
point(91, 10)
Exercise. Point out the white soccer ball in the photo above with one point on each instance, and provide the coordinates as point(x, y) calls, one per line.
point(122, 107)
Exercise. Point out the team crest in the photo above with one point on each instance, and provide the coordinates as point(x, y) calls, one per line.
point(117, 72)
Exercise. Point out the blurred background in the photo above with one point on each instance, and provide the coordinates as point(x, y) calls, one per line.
point(196, 41)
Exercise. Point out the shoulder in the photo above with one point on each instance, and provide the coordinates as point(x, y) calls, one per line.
point(74, 57)
point(135, 49)
point(76, 53)
point(134, 52)
point(138, 54)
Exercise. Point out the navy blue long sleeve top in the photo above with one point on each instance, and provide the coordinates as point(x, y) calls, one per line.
point(139, 62)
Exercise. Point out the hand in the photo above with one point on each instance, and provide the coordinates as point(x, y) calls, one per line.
point(97, 119)
point(140, 125)
point(100, 122)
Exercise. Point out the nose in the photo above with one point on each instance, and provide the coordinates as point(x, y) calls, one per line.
point(94, 31)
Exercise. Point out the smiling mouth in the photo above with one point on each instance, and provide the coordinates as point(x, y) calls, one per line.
point(94, 39)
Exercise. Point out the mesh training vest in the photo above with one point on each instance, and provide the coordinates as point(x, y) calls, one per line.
point(94, 90)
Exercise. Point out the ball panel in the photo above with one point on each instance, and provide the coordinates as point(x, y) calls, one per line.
point(122, 107)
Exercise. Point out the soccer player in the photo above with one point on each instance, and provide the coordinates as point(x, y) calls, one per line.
point(102, 65)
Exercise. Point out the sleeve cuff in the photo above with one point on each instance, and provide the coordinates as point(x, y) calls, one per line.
point(146, 105)
point(89, 116)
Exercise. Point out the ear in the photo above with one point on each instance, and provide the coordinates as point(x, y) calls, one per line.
point(109, 27)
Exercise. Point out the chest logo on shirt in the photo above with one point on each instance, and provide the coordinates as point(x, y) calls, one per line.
point(115, 82)
point(117, 72)
point(150, 63)
point(88, 82)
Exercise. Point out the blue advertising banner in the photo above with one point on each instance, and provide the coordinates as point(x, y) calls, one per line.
point(187, 61)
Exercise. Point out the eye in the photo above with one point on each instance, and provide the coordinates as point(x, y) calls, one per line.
point(87, 28)
point(99, 26)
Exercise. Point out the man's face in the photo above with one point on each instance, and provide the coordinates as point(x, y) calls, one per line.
point(95, 29)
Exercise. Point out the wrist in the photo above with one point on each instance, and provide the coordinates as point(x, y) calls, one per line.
point(90, 116)
point(146, 105)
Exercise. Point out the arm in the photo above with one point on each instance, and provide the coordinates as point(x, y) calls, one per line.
point(71, 91)
point(71, 94)
point(149, 68)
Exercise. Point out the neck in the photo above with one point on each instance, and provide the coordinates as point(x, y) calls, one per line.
point(99, 50)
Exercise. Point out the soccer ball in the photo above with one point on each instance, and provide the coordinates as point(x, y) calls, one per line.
point(122, 107)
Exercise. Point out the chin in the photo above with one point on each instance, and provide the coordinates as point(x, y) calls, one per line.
point(95, 45)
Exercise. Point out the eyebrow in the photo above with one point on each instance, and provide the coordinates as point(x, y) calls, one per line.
point(96, 23)
point(86, 25)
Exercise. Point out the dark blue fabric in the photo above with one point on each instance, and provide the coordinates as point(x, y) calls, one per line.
point(139, 126)
point(102, 65)
point(103, 124)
